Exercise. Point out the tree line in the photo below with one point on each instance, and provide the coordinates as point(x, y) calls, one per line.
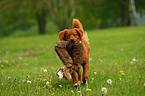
point(22, 14)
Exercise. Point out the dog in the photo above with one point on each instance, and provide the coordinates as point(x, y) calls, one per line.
point(72, 35)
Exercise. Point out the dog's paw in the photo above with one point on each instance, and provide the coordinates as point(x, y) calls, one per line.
point(84, 81)
point(76, 85)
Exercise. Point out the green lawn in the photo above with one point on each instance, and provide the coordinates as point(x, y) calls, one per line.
point(112, 51)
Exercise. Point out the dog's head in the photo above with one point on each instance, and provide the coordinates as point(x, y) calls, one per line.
point(71, 34)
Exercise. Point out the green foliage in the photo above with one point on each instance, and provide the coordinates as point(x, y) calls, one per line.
point(112, 51)
point(16, 14)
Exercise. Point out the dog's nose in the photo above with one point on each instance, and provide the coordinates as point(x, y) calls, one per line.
point(72, 40)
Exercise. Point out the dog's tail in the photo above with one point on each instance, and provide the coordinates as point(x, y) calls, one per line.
point(77, 24)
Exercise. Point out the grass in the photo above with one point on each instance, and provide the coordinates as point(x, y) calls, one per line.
point(112, 50)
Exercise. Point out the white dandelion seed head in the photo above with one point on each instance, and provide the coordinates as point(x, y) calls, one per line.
point(134, 59)
point(60, 86)
point(95, 73)
point(29, 81)
point(120, 79)
point(47, 83)
point(45, 70)
point(109, 81)
point(104, 90)
point(92, 79)
point(78, 91)
point(72, 91)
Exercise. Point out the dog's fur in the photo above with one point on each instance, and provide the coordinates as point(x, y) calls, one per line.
point(71, 35)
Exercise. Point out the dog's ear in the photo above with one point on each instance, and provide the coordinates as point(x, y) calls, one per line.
point(61, 35)
point(80, 32)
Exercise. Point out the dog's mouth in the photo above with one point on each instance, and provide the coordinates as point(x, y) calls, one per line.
point(72, 40)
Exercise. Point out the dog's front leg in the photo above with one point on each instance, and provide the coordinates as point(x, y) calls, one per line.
point(79, 75)
point(75, 80)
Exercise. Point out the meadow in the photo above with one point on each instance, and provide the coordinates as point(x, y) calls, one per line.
point(116, 53)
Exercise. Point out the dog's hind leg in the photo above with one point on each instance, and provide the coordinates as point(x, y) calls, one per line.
point(85, 72)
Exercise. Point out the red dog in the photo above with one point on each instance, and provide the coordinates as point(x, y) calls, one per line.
point(72, 35)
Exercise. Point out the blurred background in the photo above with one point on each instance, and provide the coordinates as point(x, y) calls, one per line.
point(33, 17)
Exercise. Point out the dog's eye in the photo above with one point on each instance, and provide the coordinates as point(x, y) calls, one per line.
point(75, 34)
point(67, 35)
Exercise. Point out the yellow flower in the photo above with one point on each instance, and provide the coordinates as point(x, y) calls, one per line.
point(115, 63)
point(6, 61)
point(121, 71)
point(88, 90)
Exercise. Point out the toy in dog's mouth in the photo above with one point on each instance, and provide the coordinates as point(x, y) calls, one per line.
point(59, 73)
point(64, 72)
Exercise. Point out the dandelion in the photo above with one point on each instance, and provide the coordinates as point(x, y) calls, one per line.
point(109, 81)
point(6, 61)
point(144, 84)
point(95, 73)
point(88, 90)
point(115, 63)
point(60, 86)
point(29, 81)
point(47, 83)
point(72, 91)
point(134, 59)
point(45, 70)
point(121, 71)
point(104, 90)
